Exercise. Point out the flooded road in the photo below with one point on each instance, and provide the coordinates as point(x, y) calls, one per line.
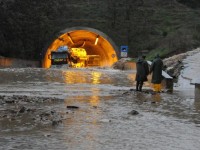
point(101, 121)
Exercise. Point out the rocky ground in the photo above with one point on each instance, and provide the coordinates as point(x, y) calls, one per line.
point(26, 110)
point(29, 111)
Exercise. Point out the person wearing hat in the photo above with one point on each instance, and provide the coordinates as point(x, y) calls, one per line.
point(142, 72)
point(156, 70)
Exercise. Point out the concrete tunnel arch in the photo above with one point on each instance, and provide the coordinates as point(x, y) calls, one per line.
point(85, 37)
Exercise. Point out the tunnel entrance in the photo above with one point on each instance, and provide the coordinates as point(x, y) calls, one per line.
point(99, 48)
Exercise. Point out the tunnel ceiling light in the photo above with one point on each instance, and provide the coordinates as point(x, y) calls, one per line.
point(97, 39)
point(69, 37)
point(83, 44)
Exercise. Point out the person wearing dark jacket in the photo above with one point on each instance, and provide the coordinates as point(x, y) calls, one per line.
point(156, 70)
point(142, 72)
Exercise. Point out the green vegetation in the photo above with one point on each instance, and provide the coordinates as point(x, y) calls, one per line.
point(161, 51)
point(28, 27)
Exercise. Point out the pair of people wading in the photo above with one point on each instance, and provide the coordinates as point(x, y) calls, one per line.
point(143, 71)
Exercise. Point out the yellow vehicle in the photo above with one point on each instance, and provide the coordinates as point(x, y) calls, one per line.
point(79, 57)
point(74, 57)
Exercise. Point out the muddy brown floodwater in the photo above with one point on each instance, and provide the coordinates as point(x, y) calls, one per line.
point(93, 109)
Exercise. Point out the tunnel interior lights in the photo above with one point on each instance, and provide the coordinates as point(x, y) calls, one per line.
point(97, 39)
point(83, 44)
point(69, 37)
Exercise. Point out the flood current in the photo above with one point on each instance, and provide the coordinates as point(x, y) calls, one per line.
point(104, 98)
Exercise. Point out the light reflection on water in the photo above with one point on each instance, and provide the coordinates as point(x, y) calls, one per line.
point(165, 121)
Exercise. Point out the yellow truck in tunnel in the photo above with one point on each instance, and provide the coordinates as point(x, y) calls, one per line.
point(73, 57)
point(78, 57)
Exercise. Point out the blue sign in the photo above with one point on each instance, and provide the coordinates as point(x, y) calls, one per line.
point(124, 48)
point(124, 51)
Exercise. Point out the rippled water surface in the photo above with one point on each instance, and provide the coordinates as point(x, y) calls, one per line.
point(102, 122)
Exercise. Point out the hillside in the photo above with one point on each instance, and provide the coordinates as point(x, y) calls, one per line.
point(27, 27)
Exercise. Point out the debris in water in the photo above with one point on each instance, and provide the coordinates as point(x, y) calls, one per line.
point(22, 109)
point(125, 93)
point(56, 122)
point(72, 107)
point(10, 101)
point(133, 112)
point(105, 120)
point(47, 135)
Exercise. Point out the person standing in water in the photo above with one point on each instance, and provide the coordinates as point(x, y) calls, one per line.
point(142, 72)
point(156, 70)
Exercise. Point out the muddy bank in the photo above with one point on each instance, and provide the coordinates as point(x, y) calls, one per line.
point(175, 64)
point(172, 65)
point(124, 64)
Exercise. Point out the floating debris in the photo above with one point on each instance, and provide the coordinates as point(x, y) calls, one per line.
point(133, 112)
point(105, 120)
point(72, 107)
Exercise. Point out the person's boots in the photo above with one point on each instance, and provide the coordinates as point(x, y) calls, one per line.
point(140, 87)
point(137, 85)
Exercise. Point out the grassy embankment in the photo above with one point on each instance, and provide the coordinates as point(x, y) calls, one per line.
point(175, 31)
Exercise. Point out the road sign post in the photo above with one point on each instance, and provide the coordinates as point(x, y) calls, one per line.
point(124, 51)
